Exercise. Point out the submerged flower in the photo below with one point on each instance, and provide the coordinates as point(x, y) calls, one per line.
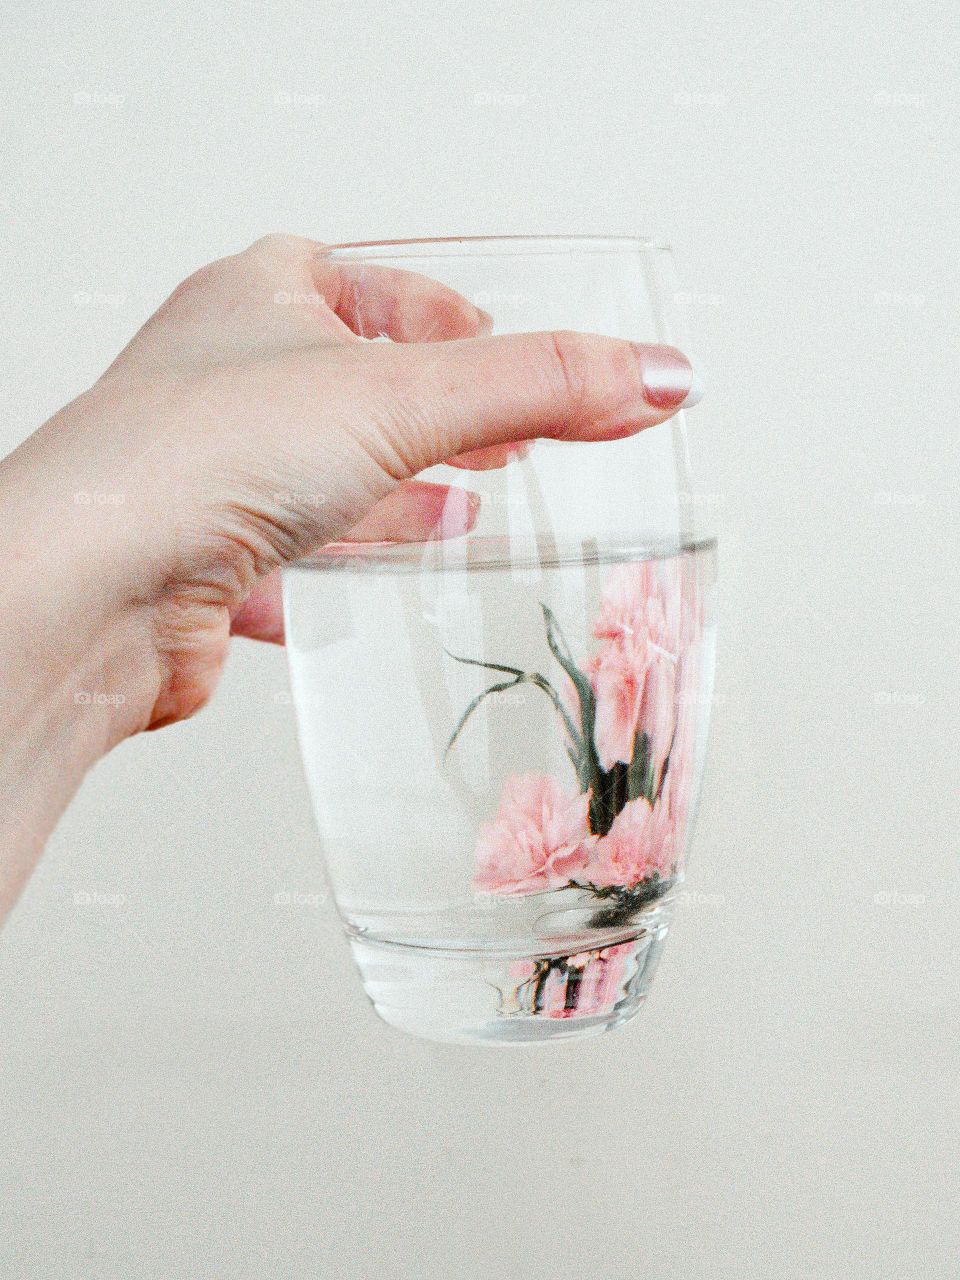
point(635, 601)
point(640, 844)
point(555, 995)
point(658, 708)
point(633, 674)
point(540, 838)
point(578, 986)
point(603, 980)
point(618, 674)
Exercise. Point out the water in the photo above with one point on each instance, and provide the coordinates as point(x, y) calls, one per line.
point(517, 883)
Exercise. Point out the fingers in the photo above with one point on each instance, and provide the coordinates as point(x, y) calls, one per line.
point(491, 458)
point(371, 301)
point(377, 302)
point(286, 291)
point(452, 398)
point(414, 512)
point(283, 292)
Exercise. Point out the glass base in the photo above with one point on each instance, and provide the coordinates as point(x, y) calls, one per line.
point(509, 998)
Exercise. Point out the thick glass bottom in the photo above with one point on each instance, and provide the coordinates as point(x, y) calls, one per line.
point(509, 998)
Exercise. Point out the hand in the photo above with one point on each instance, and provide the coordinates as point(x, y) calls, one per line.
point(247, 423)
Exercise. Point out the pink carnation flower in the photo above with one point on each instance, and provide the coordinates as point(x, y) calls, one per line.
point(553, 997)
point(618, 674)
point(592, 983)
point(658, 707)
point(602, 984)
point(540, 838)
point(645, 624)
point(640, 843)
point(634, 603)
point(634, 673)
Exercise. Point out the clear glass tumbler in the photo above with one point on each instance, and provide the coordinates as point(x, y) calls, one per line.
point(503, 733)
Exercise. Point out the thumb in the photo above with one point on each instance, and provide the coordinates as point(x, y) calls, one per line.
point(454, 397)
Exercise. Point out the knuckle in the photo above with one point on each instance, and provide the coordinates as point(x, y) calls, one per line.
point(261, 258)
point(571, 366)
point(198, 282)
point(624, 373)
point(406, 427)
point(211, 278)
point(599, 376)
point(280, 245)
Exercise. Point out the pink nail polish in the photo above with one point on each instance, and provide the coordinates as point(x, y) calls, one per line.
point(669, 379)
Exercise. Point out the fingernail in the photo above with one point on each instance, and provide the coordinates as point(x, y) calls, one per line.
point(486, 322)
point(459, 513)
point(670, 381)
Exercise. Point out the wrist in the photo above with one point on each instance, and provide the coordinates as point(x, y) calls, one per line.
point(79, 669)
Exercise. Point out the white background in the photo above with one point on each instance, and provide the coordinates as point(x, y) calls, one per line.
point(192, 1083)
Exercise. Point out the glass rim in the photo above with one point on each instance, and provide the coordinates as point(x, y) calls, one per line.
point(494, 246)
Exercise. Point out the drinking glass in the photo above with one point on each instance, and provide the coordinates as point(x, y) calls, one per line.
point(503, 733)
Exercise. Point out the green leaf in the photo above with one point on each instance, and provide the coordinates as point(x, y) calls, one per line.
point(490, 666)
point(546, 687)
point(589, 771)
point(656, 790)
point(625, 901)
point(609, 798)
point(494, 688)
point(639, 783)
point(519, 677)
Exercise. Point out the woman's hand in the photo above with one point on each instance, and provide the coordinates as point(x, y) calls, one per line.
point(247, 423)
